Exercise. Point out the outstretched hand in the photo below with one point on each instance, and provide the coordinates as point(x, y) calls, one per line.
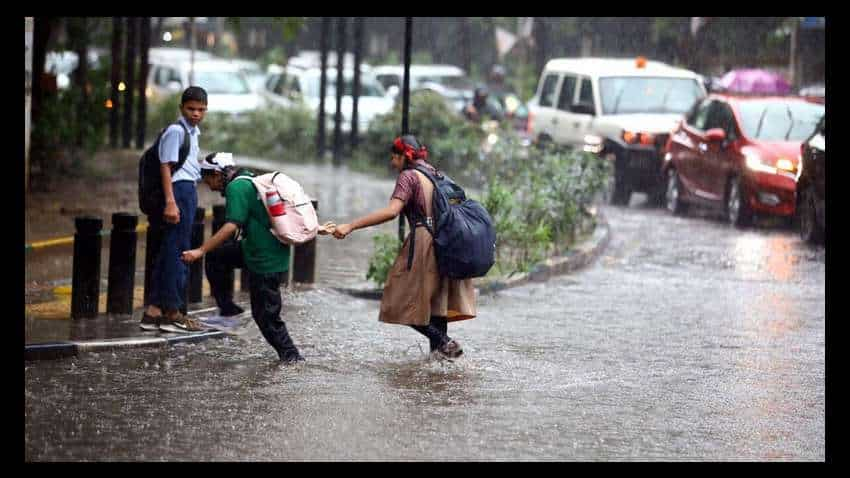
point(327, 228)
point(342, 230)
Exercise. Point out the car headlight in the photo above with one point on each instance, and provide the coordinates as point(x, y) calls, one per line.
point(754, 163)
point(592, 143)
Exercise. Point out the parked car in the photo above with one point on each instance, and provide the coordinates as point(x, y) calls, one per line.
point(811, 185)
point(815, 93)
point(295, 86)
point(621, 109)
point(739, 155)
point(227, 89)
point(448, 81)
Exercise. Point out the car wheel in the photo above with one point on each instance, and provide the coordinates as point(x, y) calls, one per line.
point(738, 210)
point(620, 191)
point(673, 194)
point(810, 230)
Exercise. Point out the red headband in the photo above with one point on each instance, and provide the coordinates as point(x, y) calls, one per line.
point(409, 151)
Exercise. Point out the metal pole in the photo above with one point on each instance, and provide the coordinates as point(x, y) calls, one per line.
point(122, 264)
point(304, 259)
point(323, 85)
point(340, 88)
point(355, 95)
point(85, 282)
point(405, 105)
point(196, 269)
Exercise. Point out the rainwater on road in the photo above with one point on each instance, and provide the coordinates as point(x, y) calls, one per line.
point(686, 340)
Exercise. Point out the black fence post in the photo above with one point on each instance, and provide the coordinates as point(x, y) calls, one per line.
point(122, 264)
point(218, 221)
point(85, 283)
point(196, 269)
point(304, 261)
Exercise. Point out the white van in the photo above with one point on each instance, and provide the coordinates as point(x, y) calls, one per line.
point(623, 109)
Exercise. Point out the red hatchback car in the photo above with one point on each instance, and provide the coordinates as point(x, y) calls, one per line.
point(738, 155)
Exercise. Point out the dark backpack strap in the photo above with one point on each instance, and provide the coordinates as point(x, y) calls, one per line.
point(183, 153)
point(419, 221)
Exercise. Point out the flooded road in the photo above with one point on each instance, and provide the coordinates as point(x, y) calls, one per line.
point(686, 340)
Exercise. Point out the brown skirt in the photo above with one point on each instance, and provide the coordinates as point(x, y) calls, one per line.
point(412, 296)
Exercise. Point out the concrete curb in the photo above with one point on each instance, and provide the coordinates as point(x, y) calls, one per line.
point(73, 348)
point(579, 256)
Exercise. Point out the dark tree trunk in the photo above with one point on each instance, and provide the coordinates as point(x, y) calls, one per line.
point(117, 44)
point(129, 80)
point(355, 98)
point(541, 40)
point(42, 29)
point(323, 85)
point(340, 87)
point(157, 29)
point(79, 34)
point(144, 46)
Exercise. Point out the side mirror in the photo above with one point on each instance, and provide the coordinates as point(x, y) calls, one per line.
point(584, 108)
point(392, 91)
point(174, 86)
point(715, 135)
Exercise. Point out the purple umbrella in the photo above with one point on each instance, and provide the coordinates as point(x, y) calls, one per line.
point(755, 81)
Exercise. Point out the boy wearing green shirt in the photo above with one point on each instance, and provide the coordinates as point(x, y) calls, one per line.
point(266, 258)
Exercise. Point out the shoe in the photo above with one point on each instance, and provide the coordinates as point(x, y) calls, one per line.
point(292, 359)
point(230, 310)
point(451, 349)
point(181, 324)
point(149, 322)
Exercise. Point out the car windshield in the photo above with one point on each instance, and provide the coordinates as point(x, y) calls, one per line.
point(369, 86)
point(222, 82)
point(772, 120)
point(621, 95)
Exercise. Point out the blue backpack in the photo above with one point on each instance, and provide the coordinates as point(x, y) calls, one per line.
point(463, 232)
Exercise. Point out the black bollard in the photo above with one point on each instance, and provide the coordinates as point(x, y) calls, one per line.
point(218, 221)
point(85, 283)
point(304, 260)
point(153, 241)
point(196, 269)
point(122, 264)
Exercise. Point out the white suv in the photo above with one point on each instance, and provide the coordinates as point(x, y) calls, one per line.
point(623, 109)
point(293, 86)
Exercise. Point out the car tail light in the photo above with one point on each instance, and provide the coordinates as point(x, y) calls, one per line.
point(646, 139)
point(528, 122)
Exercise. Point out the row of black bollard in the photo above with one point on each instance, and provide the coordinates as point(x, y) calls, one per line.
point(85, 283)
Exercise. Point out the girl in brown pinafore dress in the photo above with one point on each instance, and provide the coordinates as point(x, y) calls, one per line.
point(417, 297)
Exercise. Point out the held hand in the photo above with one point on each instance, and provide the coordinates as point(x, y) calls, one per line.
point(192, 255)
point(171, 213)
point(342, 230)
point(327, 228)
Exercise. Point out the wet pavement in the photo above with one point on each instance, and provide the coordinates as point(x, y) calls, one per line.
point(686, 340)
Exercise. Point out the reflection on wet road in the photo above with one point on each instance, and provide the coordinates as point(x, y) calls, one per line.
point(685, 340)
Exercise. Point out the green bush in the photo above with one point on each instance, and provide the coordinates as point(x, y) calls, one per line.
point(272, 132)
point(61, 125)
point(452, 141)
point(386, 250)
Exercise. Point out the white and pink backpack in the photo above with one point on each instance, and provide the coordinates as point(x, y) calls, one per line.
point(296, 222)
